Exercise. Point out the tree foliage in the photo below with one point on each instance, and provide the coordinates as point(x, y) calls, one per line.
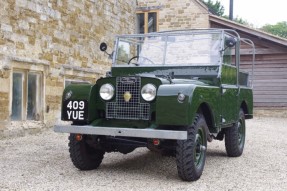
point(279, 29)
point(240, 21)
point(243, 22)
point(214, 7)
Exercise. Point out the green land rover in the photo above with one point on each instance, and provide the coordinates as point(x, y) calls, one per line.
point(168, 91)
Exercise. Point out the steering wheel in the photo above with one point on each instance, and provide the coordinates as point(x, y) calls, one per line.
point(137, 57)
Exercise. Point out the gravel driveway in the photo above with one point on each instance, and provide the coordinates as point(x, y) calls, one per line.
point(41, 162)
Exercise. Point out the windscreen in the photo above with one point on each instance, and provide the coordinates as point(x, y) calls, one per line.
point(169, 49)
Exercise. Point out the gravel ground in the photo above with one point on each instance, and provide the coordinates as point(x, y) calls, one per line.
point(41, 162)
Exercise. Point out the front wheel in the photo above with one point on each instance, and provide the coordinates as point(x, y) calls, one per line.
point(191, 153)
point(235, 137)
point(83, 156)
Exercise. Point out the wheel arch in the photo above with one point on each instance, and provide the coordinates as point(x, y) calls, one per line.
point(245, 109)
point(208, 115)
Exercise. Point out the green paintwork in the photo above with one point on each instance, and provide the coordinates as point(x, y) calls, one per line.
point(179, 71)
point(169, 110)
point(213, 89)
point(228, 74)
point(79, 92)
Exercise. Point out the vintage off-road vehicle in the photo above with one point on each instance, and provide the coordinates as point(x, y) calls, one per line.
point(168, 91)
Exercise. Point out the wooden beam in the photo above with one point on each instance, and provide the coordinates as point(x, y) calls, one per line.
point(265, 104)
point(262, 51)
point(270, 88)
point(270, 63)
point(269, 92)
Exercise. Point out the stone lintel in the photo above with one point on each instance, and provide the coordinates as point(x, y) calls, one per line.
point(81, 69)
point(29, 60)
point(149, 8)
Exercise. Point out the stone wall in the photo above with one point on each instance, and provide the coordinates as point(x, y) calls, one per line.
point(59, 39)
point(177, 14)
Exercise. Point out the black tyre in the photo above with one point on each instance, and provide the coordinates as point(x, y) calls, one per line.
point(235, 137)
point(83, 156)
point(191, 153)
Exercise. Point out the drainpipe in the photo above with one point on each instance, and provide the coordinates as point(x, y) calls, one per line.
point(230, 9)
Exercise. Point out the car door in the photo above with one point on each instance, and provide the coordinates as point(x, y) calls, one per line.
point(229, 95)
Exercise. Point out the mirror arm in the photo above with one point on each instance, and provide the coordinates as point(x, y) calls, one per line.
point(110, 55)
point(223, 49)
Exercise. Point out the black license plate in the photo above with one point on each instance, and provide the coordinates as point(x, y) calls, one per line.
point(75, 110)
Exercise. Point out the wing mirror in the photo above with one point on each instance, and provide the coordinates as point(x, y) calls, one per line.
point(104, 47)
point(230, 42)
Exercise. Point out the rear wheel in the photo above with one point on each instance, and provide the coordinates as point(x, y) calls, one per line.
point(191, 153)
point(83, 156)
point(235, 137)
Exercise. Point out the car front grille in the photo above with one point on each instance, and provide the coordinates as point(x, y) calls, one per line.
point(131, 109)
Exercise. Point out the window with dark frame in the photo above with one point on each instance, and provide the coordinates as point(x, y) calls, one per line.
point(26, 96)
point(147, 21)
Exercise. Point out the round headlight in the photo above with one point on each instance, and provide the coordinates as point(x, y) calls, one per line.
point(148, 92)
point(107, 92)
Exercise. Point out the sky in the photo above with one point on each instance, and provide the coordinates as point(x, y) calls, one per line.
point(258, 12)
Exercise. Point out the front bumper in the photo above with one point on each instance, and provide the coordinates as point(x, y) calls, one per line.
point(122, 132)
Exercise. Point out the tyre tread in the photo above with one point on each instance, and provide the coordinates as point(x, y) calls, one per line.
point(184, 152)
point(81, 160)
point(231, 140)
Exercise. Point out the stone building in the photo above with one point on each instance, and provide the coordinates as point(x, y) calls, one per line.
point(162, 15)
point(45, 45)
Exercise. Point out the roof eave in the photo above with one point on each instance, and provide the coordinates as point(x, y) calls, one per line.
point(246, 29)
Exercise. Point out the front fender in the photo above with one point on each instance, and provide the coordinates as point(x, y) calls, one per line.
point(76, 92)
point(170, 111)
